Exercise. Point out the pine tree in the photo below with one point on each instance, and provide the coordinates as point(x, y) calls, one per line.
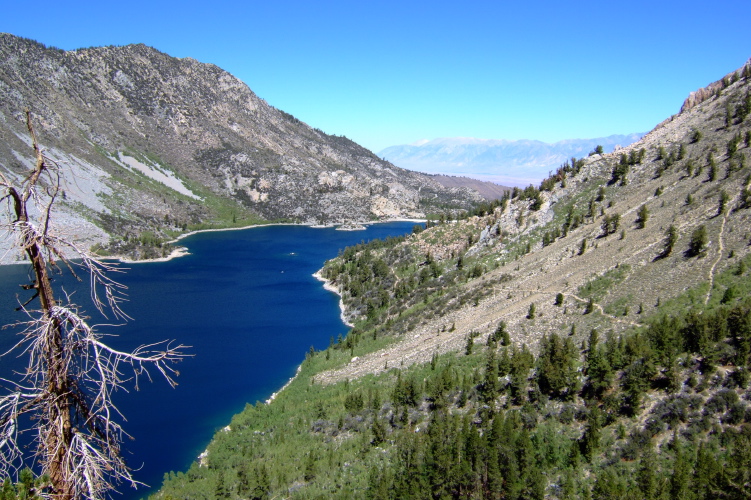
point(712, 165)
point(501, 334)
point(521, 363)
point(470, 345)
point(379, 432)
point(706, 474)
point(671, 237)
point(680, 480)
point(495, 478)
point(583, 246)
point(698, 244)
point(643, 215)
point(531, 311)
point(696, 136)
point(380, 484)
point(556, 368)
point(735, 479)
point(592, 209)
point(591, 438)
point(609, 484)
point(598, 370)
point(635, 382)
point(489, 385)
point(504, 363)
point(220, 488)
point(646, 478)
point(569, 490)
point(8, 492)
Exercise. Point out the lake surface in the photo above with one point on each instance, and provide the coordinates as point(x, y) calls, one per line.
point(247, 303)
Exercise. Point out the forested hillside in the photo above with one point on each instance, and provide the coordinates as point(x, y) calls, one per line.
point(585, 338)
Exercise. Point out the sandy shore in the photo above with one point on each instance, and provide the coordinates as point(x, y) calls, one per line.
point(331, 288)
point(191, 233)
point(177, 252)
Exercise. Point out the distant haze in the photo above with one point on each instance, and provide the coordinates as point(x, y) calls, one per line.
point(511, 163)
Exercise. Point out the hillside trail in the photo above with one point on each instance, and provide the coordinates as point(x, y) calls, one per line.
point(553, 291)
point(720, 243)
point(537, 279)
point(602, 311)
point(720, 250)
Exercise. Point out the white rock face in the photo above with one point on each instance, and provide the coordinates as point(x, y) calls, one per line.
point(383, 207)
point(157, 173)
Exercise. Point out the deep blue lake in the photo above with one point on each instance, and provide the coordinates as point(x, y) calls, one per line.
point(247, 303)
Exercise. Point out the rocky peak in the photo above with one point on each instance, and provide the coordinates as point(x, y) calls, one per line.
point(701, 95)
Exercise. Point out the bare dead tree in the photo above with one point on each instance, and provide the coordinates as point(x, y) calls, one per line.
point(71, 373)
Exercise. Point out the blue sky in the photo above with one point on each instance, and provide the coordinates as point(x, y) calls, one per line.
point(393, 72)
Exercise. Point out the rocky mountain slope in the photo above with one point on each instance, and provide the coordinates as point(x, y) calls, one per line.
point(153, 143)
point(596, 230)
point(514, 163)
point(590, 338)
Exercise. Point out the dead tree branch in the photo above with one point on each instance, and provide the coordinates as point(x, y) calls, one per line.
point(71, 374)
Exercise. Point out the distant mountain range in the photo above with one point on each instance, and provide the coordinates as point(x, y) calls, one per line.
point(513, 163)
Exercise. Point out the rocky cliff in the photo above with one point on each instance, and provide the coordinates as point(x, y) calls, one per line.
point(714, 88)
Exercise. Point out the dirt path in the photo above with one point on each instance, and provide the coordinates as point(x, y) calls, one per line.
point(720, 249)
point(720, 244)
point(602, 311)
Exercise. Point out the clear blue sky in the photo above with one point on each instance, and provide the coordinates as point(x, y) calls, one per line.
point(393, 72)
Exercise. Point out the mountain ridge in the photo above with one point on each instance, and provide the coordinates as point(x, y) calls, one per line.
point(243, 160)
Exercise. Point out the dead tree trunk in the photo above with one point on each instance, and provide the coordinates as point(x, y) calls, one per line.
point(71, 373)
point(58, 440)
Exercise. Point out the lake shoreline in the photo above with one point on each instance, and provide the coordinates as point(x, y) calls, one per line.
point(340, 226)
point(327, 285)
point(276, 393)
point(183, 251)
